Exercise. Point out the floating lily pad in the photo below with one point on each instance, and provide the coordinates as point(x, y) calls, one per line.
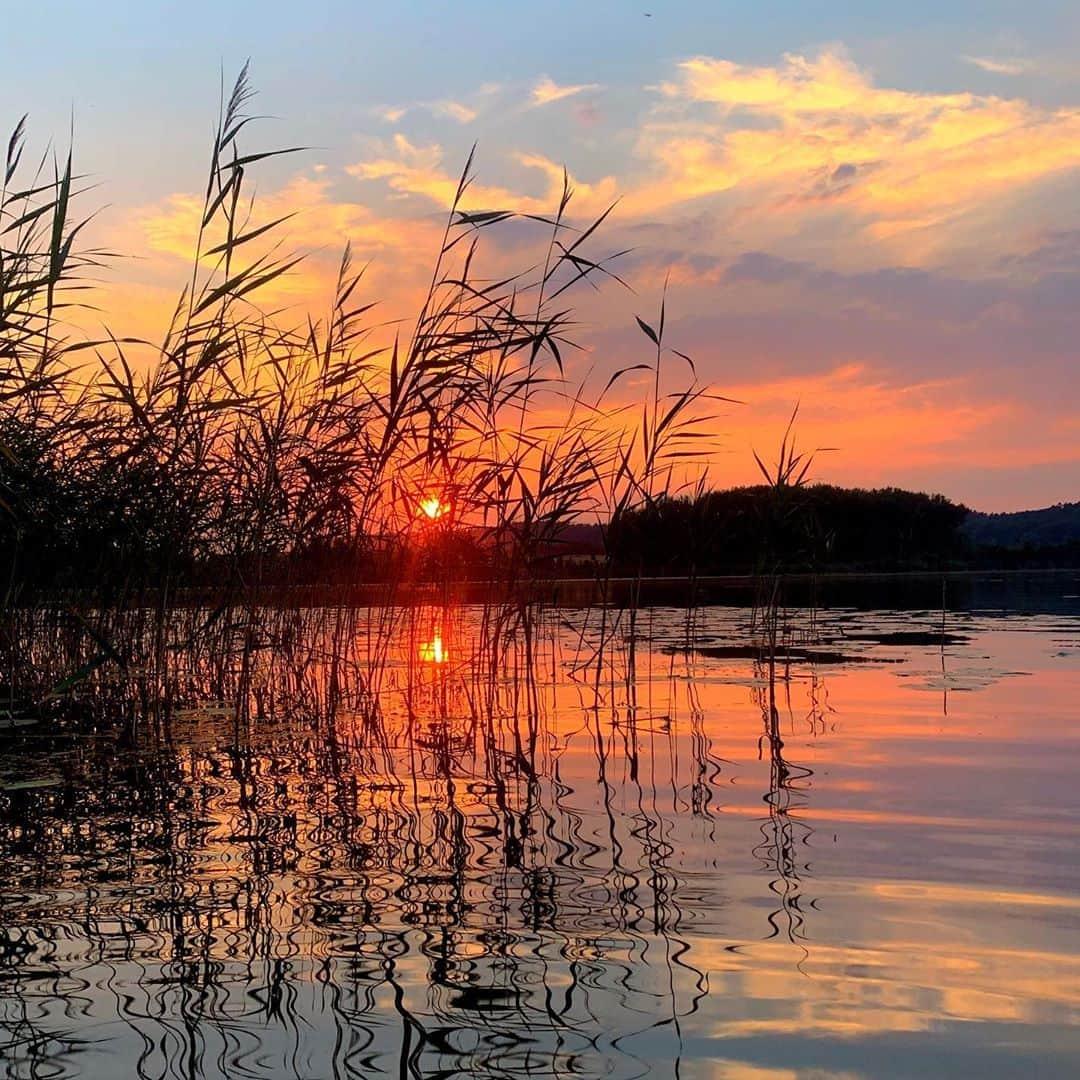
point(911, 638)
point(31, 785)
point(17, 721)
point(797, 655)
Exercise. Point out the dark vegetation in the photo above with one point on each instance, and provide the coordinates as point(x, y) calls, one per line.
point(1049, 537)
point(243, 451)
point(819, 527)
point(242, 448)
point(811, 527)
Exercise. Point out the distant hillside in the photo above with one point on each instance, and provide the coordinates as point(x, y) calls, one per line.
point(1051, 527)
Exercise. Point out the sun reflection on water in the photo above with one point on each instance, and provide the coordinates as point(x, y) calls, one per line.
point(777, 856)
point(433, 651)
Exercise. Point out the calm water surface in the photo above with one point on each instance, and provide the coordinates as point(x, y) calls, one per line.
point(861, 863)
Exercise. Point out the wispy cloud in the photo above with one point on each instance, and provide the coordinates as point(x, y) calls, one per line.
point(453, 110)
point(391, 114)
point(1012, 66)
point(547, 91)
point(409, 168)
point(811, 143)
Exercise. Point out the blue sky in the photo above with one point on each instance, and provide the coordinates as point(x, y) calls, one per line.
point(146, 72)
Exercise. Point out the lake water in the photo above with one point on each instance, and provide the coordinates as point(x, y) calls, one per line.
point(861, 861)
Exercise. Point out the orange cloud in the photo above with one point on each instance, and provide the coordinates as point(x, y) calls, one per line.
point(814, 133)
point(589, 199)
point(411, 169)
point(807, 144)
point(453, 110)
point(546, 91)
point(420, 170)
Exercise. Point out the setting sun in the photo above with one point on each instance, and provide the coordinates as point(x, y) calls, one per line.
point(432, 508)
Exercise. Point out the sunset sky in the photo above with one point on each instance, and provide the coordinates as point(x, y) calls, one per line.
point(873, 209)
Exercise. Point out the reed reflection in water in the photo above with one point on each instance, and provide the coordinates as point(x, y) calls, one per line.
point(654, 857)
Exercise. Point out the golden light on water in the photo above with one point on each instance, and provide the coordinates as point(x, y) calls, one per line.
point(433, 651)
point(432, 508)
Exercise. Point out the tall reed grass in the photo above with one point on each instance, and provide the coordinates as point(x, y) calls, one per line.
point(150, 508)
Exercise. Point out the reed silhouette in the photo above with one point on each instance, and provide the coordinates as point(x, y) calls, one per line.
point(155, 496)
point(441, 888)
point(267, 829)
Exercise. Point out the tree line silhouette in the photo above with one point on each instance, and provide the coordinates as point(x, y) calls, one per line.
point(769, 528)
